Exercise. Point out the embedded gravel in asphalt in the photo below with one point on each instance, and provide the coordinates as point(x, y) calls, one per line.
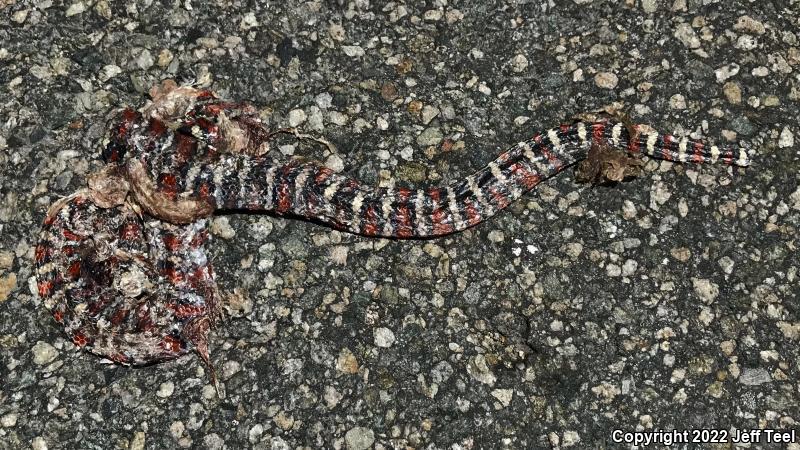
point(667, 302)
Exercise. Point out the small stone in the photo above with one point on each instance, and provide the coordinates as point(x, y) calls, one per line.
point(248, 21)
point(230, 368)
point(101, 7)
point(255, 432)
point(324, 100)
point(338, 118)
point(504, 396)
point(573, 249)
point(628, 210)
point(727, 264)
point(742, 125)
point(685, 33)
point(431, 136)
point(682, 254)
point(347, 362)
point(43, 353)
point(677, 101)
point(75, 9)
point(613, 270)
point(728, 208)
point(9, 420)
point(649, 6)
point(571, 438)
point(746, 42)
point(7, 284)
point(315, 119)
point(606, 80)
point(166, 389)
point(606, 391)
point(705, 289)
point(109, 71)
point(726, 71)
point(232, 42)
point(176, 429)
point(335, 163)
point(629, 268)
point(213, 441)
point(754, 376)
point(296, 117)
point(145, 60)
point(382, 123)
point(433, 15)
point(519, 63)
point(337, 32)
point(414, 107)
point(384, 337)
point(769, 355)
point(789, 330)
point(389, 91)
point(138, 441)
point(479, 370)
point(359, 438)
point(428, 114)
point(38, 443)
point(760, 71)
point(749, 25)
point(20, 16)
point(732, 92)
point(772, 100)
point(794, 197)
point(453, 15)
point(353, 51)
point(41, 72)
point(659, 194)
point(221, 227)
point(786, 138)
point(331, 397)
point(496, 236)
point(164, 58)
point(207, 42)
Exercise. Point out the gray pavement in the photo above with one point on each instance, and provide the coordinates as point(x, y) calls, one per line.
point(666, 303)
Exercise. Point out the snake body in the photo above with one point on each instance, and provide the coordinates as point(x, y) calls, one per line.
point(122, 264)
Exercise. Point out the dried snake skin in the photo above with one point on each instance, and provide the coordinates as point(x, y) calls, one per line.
point(122, 265)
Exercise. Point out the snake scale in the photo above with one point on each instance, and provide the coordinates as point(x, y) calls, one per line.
point(122, 263)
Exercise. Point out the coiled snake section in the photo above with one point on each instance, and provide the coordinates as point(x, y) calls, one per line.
point(133, 290)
